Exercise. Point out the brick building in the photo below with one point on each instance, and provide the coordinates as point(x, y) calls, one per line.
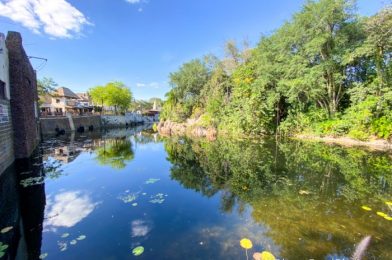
point(19, 121)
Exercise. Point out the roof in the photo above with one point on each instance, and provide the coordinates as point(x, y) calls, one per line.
point(65, 92)
point(83, 96)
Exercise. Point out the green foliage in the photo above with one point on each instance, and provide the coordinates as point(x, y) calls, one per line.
point(113, 94)
point(327, 71)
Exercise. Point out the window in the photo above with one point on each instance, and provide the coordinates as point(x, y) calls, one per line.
point(2, 90)
point(57, 100)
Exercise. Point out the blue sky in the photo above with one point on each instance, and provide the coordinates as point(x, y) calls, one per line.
point(138, 42)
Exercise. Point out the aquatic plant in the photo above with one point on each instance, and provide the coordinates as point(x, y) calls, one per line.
point(6, 229)
point(246, 244)
point(65, 235)
point(81, 237)
point(138, 251)
point(129, 197)
point(3, 247)
point(43, 256)
point(73, 242)
point(158, 198)
point(32, 181)
point(152, 181)
point(265, 255)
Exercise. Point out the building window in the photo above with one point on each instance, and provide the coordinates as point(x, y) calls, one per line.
point(2, 90)
point(57, 100)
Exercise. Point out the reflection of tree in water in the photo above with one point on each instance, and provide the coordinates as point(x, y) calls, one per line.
point(115, 152)
point(271, 176)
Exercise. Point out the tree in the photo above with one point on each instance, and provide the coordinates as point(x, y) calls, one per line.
point(46, 86)
point(114, 94)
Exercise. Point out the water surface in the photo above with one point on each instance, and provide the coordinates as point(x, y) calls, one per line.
point(100, 196)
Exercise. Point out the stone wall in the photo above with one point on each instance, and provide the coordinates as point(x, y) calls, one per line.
point(128, 118)
point(6, 137)
point(24, 97)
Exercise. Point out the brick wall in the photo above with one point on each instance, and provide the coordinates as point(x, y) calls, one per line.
point(6, 139)
point(24, 97)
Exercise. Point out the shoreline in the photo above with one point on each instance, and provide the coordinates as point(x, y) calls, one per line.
point(374, 145)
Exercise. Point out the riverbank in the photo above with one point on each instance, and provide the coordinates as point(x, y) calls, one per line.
point(374, 144)
point(190, 128)
point(193, 129)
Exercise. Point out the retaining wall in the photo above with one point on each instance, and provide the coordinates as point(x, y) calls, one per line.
point(49, 125)
point(128, 119)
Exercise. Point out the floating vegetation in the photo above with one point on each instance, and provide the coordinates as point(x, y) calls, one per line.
point(43, 256)
point(265, 255)
point(138, 251)
point(382, 214)
point(246, 244)
point(152, 181)
point(128, 198)
point(3, 247)
point(6, 229)
point(389, 203)
point(73, 242)
point(62, 246)
point(158, 198)
point(134, 204)
point(388, 218)
point(144, 194)
point(32, 181)
point(304, 192)
point(366, 208)
point(65, 235)
point(81, 237)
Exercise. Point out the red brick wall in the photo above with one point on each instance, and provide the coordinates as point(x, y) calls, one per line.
point(23, 88)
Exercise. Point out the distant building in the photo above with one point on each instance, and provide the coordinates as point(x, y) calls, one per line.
point(64, 101)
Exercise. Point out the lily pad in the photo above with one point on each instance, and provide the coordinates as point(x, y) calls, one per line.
point(134, 204)
point(6, 229)
point(3, 247)
point(388, 218)
point(128, 198)
point(65, 235)
point(81, 237)
point(158, 198)
point(152, 181)
point(267, 256)
point(32, 181)
point(62, 246)
point(389, 203)
point(246, 243)
point(43, 256)
point(138, 251)
point(382, 214)
point(366, 208)
point(73, 242)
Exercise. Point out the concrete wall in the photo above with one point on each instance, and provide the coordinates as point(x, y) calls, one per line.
point(24, 97)
point(49, 125)
point(6, 137)
point(4, 66)
point(6, 133)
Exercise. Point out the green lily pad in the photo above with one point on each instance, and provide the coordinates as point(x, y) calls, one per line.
point(134, 204)
point(152, 181)
point(43, 256)
point(6, 229)
point(129, 198)
point(3, 247)
point(65, 235)
point(81, 237)
point(62, 246)
point(32, 181)
point(73, 242)
point(138, 251)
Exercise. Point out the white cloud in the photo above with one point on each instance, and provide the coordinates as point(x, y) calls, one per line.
point(68, 209)
point(57, 18)
point(133, 1)
point(148, 85)
point(140, 228)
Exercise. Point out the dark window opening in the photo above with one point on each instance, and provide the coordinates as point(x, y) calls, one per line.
point(2, 90)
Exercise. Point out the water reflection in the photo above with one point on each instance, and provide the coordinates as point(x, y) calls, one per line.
point(115, 152)
point(308, 195)
point(67, 209)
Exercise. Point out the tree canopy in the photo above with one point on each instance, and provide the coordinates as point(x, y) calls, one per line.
point(113, 94)
point(325, 71)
